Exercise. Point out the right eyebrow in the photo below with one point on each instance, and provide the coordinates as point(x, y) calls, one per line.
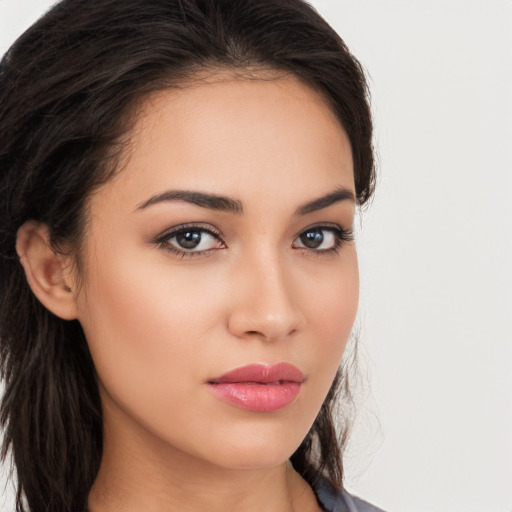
point(205, 200)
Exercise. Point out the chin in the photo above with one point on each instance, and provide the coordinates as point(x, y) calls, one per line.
point(252, 448)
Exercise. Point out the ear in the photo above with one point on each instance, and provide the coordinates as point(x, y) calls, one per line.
point(49, 274)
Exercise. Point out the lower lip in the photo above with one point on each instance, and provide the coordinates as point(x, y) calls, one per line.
point(257, 397)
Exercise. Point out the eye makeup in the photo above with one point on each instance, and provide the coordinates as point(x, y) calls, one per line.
point(199, 240)
point(323, 239)
point(191, 240)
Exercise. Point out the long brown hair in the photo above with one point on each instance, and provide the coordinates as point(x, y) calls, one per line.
point(67, 88)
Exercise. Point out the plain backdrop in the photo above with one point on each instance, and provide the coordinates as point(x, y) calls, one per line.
point(434, 430)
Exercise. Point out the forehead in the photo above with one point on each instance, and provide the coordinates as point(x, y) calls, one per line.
point(236, 136)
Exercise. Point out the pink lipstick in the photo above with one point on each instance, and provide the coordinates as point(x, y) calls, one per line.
point(258, 387)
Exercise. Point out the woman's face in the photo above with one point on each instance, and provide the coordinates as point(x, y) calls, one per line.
point(223, 242)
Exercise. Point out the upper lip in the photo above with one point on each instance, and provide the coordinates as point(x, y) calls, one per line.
point(261, 373)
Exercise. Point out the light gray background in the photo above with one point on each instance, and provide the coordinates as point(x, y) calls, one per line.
point(435, 432)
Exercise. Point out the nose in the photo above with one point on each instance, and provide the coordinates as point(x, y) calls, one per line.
point(265, 306)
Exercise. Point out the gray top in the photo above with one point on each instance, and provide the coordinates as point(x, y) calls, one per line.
point(341, 502)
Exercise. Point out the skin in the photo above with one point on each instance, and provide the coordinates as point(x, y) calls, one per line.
point(160, 324)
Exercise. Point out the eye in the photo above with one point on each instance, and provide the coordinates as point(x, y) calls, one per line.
point(190, 240)
point(322, 238)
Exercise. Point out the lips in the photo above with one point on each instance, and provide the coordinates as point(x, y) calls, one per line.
point(258, 387)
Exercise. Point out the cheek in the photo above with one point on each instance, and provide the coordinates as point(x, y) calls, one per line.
point(142, 318)
point(152, 336)
point(332, 312)
point(142, 326)
point(333, 304)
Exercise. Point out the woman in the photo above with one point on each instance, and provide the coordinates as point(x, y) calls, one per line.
point(179, 278)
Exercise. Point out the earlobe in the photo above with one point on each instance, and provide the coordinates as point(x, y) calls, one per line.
point(46, 270)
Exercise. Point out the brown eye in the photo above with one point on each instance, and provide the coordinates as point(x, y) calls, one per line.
point(322, 239)
point(312, 239)
point(188, 239)
point(191, 240)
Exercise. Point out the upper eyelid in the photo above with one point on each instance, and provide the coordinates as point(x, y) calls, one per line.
point(325, 225)
point(345, 234)
point(192, 226)
point(217, 233)
point(328, 227)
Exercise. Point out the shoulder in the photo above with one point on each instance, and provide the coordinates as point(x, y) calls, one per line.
point(359, 505)
point(333, 501)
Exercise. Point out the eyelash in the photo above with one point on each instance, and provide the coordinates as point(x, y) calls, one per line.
point(341, 236)
point(163, 240)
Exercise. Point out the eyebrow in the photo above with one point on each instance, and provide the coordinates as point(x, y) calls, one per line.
point(340, 194)
point(226, 204)
point(211, 201)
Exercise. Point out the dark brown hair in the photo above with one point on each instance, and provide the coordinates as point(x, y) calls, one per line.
point(67, 88)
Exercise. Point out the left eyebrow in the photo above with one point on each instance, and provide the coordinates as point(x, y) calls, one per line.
point(340, 194)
